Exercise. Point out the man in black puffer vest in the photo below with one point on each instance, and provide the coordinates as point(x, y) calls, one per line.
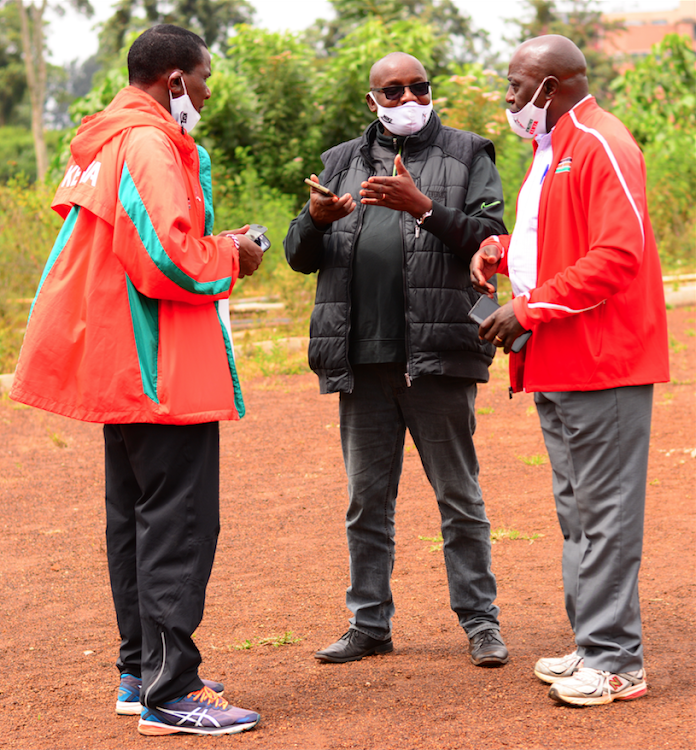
point(390, 331)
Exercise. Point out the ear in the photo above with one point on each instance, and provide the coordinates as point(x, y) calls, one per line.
point(371, 103)
point(175, 82)
point(551, 87)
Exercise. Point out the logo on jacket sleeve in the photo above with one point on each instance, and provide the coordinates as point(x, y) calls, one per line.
point(564, 165)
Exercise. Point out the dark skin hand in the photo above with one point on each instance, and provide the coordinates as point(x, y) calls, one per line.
point(250, 254)
point(398, 193)
point(324, 210)
point(501, 328)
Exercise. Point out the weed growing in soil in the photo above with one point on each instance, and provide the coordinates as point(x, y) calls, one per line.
point(538, 459)
point(287, 639)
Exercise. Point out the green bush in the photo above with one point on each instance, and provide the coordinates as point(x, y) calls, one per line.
point(28, 228)
point(17, 156)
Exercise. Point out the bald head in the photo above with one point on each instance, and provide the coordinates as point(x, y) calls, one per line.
point(392, 66)
point(553, 55)
point(558, 62)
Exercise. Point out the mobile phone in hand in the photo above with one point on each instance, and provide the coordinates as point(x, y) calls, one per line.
point(484, 307)
point(319, 188)
point(257, 233)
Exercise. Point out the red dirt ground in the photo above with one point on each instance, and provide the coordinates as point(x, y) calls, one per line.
point(282, 566)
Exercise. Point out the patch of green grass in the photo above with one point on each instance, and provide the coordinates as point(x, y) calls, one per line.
point(287, 639)
point(276, 361)
point(536, 460)
point(57, 440)
point(485, 410)
point(437, 542)
point(675, 345)
point(512, 534)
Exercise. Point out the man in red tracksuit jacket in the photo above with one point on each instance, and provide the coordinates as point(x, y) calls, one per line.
point(130, 328)
point(586, 279)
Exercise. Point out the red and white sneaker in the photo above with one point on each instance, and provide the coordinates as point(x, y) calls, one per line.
point(592, 687)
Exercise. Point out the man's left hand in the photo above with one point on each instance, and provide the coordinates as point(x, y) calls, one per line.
point(398, 193)
point(501, 328)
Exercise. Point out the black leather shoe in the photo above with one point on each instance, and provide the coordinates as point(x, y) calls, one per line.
point(352, 646)
point(487, 649)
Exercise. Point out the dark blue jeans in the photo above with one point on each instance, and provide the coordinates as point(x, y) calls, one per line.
point(439, 413)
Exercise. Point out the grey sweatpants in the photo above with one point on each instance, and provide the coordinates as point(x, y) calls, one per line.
point(598, 442)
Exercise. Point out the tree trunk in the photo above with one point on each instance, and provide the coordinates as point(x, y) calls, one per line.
point(35, 67)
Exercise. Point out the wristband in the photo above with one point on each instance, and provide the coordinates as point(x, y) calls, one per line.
point(422, 218)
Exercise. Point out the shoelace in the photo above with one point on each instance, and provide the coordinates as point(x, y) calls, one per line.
point(489, 636)
point(206, 695)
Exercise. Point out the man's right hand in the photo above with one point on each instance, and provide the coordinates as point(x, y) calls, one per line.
point(250, 254)
point(325, 210)
point(484, 265)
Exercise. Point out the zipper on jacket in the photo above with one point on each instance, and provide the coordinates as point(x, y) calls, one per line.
point(402, 227)
point(349, 295)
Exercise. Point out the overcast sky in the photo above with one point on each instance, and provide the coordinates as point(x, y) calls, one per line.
point(74, 37)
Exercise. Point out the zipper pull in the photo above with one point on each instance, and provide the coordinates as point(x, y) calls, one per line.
point(408, 379)
point(417, 230)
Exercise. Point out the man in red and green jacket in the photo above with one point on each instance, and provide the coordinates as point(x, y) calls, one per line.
point(129, 328)
point(586, 279)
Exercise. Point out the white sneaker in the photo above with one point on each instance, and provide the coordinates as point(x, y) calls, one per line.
point(592, 687)
point(550, 670)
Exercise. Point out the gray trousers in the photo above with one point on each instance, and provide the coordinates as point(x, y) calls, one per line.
point(598, 442)
point(439, 413)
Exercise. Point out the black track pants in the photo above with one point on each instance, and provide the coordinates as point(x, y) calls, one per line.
point(162, 524)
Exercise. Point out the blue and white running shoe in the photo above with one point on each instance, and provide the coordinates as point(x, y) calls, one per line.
point(128, 701)
point(200, 712)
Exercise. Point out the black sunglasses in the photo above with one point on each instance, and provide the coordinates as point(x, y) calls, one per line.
point(393, 93)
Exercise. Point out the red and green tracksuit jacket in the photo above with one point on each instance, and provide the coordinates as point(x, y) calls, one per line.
point(125, 325)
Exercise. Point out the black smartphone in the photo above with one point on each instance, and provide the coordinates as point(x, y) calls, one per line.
point(257, 233)
point(486, 306)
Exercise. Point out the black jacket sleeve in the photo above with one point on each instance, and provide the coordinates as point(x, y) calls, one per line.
point(304, 242)
point(463, 230)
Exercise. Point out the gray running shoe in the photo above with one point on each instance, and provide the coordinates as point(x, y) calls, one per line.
point(552, 669)
point(592, 687)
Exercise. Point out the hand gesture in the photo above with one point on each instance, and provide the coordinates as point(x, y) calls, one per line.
point(398, 193)
point(484, 264)
point(326, 209)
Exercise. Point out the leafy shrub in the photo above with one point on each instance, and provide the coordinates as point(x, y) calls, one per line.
point(28, 228)
point(17, 155)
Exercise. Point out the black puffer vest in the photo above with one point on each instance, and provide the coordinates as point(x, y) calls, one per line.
point(440, 337)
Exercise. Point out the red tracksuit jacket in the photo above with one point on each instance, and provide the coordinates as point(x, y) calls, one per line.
point(597, 314)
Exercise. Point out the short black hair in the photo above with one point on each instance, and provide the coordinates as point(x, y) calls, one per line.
point(162, 48)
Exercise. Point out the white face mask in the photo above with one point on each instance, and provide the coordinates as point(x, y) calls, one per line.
point(529, 121)
point(183, 111)
point(406, 119)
